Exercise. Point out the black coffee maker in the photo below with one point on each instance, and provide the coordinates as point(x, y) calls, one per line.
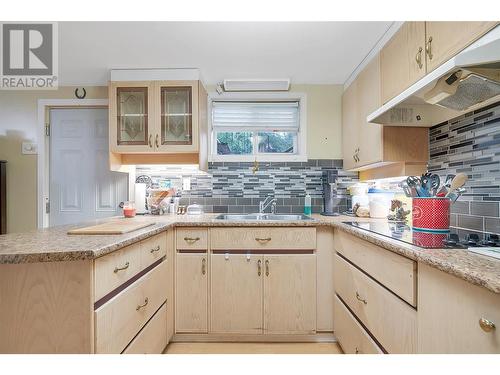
point(330, 200)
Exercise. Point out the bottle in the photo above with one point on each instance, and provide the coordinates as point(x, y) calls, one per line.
point(307, 205)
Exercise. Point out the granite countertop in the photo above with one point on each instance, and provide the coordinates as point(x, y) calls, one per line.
point(54, 244)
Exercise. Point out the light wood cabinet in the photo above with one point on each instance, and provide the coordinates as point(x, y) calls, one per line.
point(152, 339)
point(290, 294)
point(191, 290)
point(236, 293)
point(418, 48)
point(402, 60)
point(157, 122)
point(444, 39)
point(450, 314)
point(367, 145)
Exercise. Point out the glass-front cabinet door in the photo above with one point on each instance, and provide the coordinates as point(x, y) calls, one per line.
point(178, 117)
point(132, 128)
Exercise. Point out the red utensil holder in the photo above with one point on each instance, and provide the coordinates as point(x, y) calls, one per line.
point(431, 214)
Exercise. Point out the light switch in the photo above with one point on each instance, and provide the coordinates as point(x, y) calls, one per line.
point(29, 148)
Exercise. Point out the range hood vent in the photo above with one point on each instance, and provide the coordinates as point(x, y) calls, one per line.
point(466, 82)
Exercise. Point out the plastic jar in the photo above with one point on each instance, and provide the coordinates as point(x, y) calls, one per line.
point(380, 202)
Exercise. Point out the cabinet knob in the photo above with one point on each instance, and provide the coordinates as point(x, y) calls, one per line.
point(121, 268)
point(146, 301)
point(428, 48)
point(358, 297)
point(418, 58)
point(486, 325)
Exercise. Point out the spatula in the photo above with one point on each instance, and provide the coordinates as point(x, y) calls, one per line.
point(458, 181)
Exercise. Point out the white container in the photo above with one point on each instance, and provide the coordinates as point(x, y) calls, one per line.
point(380, 203)
point(358, 189)
point(361, 199)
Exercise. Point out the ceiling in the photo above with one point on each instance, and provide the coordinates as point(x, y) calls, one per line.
point(305, 52)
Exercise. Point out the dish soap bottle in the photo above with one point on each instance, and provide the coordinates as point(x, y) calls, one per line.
point(307, 205)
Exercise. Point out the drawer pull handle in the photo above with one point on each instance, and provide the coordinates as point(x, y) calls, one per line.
point(143, 305)
point(157, 142)
point(203, 266)
point(150, 142)
point(191, 240)
point(428, 48)
point(267, 267)
point(259, 267)
point(262, 240)
point(121, 268)
point(157, 248)
point(486, 325)
point(357, 350)
point(418, 58)
point(358, 297)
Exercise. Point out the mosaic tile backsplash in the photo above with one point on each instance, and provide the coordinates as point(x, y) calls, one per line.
point(233, 187)
point(471, 144)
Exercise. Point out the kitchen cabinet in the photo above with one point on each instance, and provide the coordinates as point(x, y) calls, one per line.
point(402, 60)
point(418, 48)
point(191, 290)
point(236, 293)
point(444, 39)
point(290, 294)
point(366, 145)
point(157, 122)
point(455, 316)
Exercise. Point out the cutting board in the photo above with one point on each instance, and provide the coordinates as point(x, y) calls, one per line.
point(113, 227)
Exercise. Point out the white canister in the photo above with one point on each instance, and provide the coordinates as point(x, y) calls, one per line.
point(380, 202)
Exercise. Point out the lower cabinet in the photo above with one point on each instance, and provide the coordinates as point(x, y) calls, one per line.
point(271, 294)
point(191, 286)
point(290, 294)
point(351, 335)
point(152, 339)
point(236, 298)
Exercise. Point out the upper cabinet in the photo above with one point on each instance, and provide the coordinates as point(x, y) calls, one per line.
point(446, 39)
point(417, 48)
point(157, 122)
point(402, 60)
point(367, 145)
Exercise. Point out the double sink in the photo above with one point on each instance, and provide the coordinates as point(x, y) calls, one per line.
point(263, 217)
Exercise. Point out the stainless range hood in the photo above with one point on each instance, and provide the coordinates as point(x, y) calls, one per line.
point(468, 81)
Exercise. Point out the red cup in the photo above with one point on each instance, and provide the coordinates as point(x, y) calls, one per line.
point(431, 214)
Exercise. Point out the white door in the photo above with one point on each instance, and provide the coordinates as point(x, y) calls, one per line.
point(82, 187)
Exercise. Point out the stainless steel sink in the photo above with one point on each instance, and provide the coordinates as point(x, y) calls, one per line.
point(263, 217)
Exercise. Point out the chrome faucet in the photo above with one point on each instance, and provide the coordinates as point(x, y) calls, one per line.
point(269, 201)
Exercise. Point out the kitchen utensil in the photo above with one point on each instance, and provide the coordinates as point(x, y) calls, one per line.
point(434, 182)
point(407, 190)
point(448, 180)
point(453, 196)
point(415, 184)
point(458, 181)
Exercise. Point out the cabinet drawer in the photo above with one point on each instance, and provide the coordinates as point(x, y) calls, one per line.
point(153, 337)
point(152, 249)
point(263, 238)
point(192, 238)
point(395, 272)
point(390, 320)
point(121, 318)
point(112, 270)
point(352, 336)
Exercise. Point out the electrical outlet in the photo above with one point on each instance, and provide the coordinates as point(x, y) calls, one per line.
point(29, 148)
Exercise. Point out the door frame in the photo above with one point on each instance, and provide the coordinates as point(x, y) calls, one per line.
point(43, 160)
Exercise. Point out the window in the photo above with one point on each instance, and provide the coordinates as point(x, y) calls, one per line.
point(250, 129)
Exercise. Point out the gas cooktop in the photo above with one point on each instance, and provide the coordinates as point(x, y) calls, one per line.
point(490, 246)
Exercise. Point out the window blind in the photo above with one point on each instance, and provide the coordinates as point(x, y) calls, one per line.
point(249, 116)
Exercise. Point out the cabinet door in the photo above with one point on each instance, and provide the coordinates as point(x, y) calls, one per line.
point(236, 298)
point(370, 135)
point(402, 60)
point(178, 126)
point(349, 126)
point(290, 294)
point(191, 304)
point(446, 39)
point(131, 117)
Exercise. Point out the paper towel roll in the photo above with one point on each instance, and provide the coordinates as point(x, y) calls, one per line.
point(140, 198)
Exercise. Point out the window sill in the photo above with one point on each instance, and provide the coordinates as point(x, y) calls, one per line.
point(260, 158)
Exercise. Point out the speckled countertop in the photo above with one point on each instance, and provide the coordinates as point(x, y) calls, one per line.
point(54, 244)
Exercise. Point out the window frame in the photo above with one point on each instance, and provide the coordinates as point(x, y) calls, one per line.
point(301, 154)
